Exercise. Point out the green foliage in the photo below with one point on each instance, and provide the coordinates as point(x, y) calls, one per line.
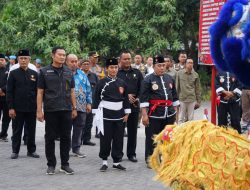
point(188, 13)
point(205, 80)
point(145, 26)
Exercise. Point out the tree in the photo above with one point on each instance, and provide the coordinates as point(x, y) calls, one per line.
point(188, 13)
point(148, 26)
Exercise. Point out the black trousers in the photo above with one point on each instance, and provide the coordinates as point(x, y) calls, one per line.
point(78, 126)
point(233, 109)
point(4, 112)
point(17, 124)
point(86, 133)
point(113, 135)
point(155, 127)
point(57, 124)
point(132, 124)
point(25, 133)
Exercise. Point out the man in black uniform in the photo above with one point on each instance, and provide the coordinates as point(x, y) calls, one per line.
point(93, 79)
point(56, 89)
point(228, 90)
point(111, 108)
point(21, 99)
point(158, 93)
point(4, 111)
point(133, 78)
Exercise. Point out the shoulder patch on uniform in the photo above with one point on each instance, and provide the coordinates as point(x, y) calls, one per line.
point(155, 86)
point(222, 79)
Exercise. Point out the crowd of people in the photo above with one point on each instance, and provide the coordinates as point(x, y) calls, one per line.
point(73, 95)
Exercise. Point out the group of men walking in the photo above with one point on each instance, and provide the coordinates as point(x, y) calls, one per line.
point(71, 92)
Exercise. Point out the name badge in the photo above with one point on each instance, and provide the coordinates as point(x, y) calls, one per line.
point(32, 77)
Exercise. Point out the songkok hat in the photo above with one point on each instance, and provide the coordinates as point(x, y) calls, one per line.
point(2, 56)
point(158, 59)
point(112, 61)
point(23, 52)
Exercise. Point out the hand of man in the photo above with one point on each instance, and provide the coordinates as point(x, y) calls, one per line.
point(40, 116)
point(145, 120)
point(231, 94)
point(228, 95)
point(197, 105)
point(12, 113)
point(125, 118)
point(1, 92)
point(131, 98)
point(88, 108)
point(74, 114)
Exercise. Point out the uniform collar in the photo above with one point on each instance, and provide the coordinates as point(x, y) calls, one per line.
point(63, 67)
point(130, 69)
point(87, 72)
point(157, 75)
point(188, 72)
point(111, 78)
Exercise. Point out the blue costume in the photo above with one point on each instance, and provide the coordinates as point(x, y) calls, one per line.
point(231, 52)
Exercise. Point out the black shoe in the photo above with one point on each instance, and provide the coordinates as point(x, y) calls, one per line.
point(14, 156)
point(89, 143)
point(148, 166)
point(104, 168)
point(67, 170)
point(33, 155)
point(4, 139)
point(50, 170)
point(119, 167)
point(97, 136)
point(133, 159)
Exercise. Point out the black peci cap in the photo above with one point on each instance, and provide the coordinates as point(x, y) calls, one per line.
point(112, 61)
point(2, 56)
point(158, 59)
point(23, 52)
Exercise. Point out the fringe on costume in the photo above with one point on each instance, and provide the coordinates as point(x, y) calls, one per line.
point(200, 155)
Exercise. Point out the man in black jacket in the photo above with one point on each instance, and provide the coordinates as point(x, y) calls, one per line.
point(111, 108)
point(133, 78)
point(158, 101)
point(57, 95)
point(21, 99)
point(3, 105)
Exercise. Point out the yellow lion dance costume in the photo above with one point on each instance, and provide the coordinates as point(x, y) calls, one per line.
point(200, 155)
